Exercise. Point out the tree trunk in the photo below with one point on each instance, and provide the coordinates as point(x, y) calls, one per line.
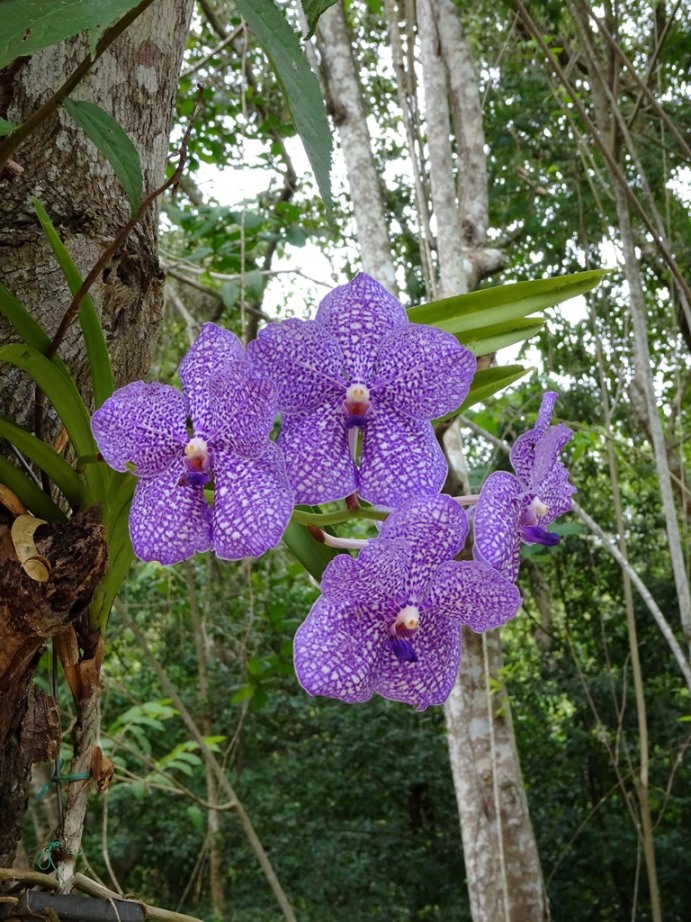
point(135, 81)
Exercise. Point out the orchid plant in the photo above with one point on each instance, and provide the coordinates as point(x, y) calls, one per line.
point(357, 390)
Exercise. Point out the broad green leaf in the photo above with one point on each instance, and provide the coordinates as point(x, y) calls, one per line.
point(485, 384)
point(94, 340)
point(300, 86)
point(28, 25)
point(313, 10)
point(60, 472)
point(7, 127)
point(313, 555)
point(478, 309)
point(120, 558)
point(29, 492)
point(491, 339)
point(113, 142)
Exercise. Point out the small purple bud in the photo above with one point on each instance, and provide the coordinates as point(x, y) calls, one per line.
point(535, 535)
point(402, 650)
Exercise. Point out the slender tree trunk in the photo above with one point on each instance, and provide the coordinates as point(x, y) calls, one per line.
point(347, 109)
point(501, 858)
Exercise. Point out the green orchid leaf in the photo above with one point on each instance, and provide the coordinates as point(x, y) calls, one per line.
point(300, 86)
point(94, 340)
point(22, 321)
point(313, 10)
point(63, 394)
point(485, 384)
point(29, 493)
point(114, 143)
point(491, 339)
point(312, 554)
point(479, 309)
point(120, 558)
point(28, 25)
point(7, 127)
point(60, 472)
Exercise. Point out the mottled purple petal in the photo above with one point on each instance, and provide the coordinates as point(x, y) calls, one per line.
point(428, 680)
point(253, 501)
point(142, 424)
point(212, 351)
point(334, 651)
point(241, 410)
point(437, 522)
point(304, 360)
point(375, 585)
point(496, 523)
point(400, 458)
point(555, 492)
point(534, 452)
point(422, 371)
point(169, 522)
point(472, 593)
point(360, 315)
point(318, 458)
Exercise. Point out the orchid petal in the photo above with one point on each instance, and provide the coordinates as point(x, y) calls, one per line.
point(496, 523)
point(253, 502)
point(430, 678)
point(304, 361)
point(472, 593)
point(375, 585)
point(241, 410)
point(400, 457)
point(422, 371)
point(360, 315)
point(169, 522)
point(318, 459)
point(213, 350)
point(144, 425)
point(334, 651)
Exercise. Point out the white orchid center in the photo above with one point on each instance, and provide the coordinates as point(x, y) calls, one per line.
point(196, 454)
point(408, 618)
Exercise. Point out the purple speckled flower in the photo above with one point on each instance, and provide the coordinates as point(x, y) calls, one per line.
point(514, 509)
point(389, 622)
point(145, 426)
point(361, 366)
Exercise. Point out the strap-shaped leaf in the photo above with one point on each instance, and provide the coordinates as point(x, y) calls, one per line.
point(120, 557)
point(300, 86)
point(63, 394)
point(491, 339)
point(313, 555)
point(485, 384)
point(94, 340)
point(15, 312)
point(30, 494)
point(60, 472)
point(28, 25)
point(478, 309)
point(113, 142)
point(313, 10)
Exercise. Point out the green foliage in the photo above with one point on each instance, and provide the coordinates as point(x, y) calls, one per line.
point(313, 10)
point(113, 142)
point(300, 86)
point(29, 25)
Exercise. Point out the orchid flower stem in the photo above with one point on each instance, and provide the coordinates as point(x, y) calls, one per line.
point(320, 519)
point(348, 544)
point(468, 499)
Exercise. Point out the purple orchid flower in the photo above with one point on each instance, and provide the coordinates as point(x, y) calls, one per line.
point(361, 366)
point(232, 410)
point(515, 509)
point(389, 622)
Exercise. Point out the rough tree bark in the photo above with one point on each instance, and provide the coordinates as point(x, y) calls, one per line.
point(501, 858)
point(135, 80)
